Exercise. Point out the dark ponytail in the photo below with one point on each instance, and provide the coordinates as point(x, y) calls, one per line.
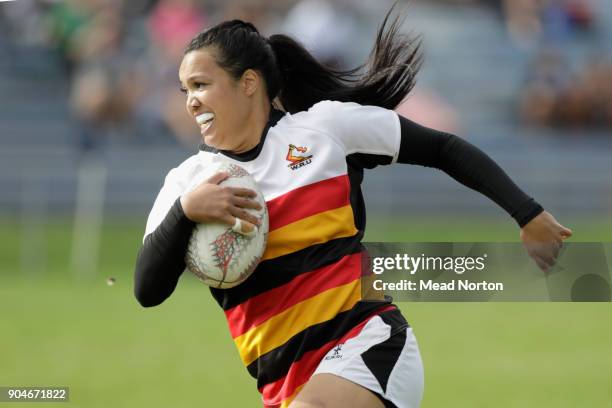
point(300, 81)
point(384, 80)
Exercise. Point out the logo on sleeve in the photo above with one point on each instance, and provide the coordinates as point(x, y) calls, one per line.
point(297, 158)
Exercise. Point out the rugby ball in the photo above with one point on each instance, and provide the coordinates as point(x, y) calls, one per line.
point(217, 254)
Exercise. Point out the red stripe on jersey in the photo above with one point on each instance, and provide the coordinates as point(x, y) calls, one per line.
point(301, 370)
point(308, 200)
point(260, 308)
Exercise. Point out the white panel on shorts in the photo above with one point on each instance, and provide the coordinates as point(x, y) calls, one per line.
point(405, 384)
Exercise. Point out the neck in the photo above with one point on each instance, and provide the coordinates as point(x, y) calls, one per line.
point(255, 126)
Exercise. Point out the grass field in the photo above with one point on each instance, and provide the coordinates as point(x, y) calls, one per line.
point(57, 330)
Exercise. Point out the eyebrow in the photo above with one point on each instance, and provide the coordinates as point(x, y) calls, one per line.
point(197, 76)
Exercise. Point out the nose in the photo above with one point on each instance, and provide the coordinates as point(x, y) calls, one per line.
point(193, 102)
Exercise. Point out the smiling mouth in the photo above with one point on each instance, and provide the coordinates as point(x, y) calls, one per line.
point(205, 118)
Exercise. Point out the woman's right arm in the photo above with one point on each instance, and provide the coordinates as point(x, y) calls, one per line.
point(161, 260)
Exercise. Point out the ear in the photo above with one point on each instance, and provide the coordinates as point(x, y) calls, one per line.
point(250, 82)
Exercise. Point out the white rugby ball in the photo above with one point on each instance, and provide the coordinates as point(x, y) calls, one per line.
point(219, 256)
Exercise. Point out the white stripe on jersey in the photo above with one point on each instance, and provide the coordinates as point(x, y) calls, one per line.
point(329, 131)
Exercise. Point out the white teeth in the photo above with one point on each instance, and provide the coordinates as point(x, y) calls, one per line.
point(205, 117)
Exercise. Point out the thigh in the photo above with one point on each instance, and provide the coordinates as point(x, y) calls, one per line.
point(329, 391)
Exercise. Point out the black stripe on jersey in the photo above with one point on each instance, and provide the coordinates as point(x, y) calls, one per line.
point(355, 175)
point(276, 363)
point(276, 272)
point(355, 164)
point(368, 161)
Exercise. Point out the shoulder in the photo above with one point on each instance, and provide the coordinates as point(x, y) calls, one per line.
point(325, 111)
point(335, 115)
point(345, 110)
point(184, 172)
point(354, 127)
point(186, 165)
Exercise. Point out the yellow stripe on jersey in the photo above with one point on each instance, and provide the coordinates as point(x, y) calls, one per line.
point(316, 229)
point(278, 329)
point(289, 400)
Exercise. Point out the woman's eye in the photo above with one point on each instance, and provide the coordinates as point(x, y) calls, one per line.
point(196, 86)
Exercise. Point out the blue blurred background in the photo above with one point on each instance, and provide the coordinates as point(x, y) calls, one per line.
point(91, 120)
point(95, 81)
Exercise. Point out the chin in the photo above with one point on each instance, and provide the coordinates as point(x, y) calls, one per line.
point(211, 141)
point(214, 142)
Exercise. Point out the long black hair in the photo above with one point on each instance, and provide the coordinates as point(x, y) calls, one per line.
point(293, 75)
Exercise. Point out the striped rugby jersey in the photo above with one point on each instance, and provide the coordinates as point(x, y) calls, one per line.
point(305, 295)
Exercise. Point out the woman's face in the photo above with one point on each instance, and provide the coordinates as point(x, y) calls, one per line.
point(216, 101)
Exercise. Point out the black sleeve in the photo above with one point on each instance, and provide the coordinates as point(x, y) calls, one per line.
point(161, 260)
point(468, 165)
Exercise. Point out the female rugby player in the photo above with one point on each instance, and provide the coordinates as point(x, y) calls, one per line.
point(299, 322)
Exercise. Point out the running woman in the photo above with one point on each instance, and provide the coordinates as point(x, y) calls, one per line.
point(299, 322)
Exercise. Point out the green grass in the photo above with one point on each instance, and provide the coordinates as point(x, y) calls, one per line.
point(112, 353)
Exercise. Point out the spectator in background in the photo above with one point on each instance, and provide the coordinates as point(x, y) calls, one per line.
point(595, 79)
point(429, 109)
point(24, 23)
point(554, 95)
point(170, 26)
point(322, 28)
point(104, 85)
point(552, 20)
point(172, 23)
point(259, 13)
point(548, 73)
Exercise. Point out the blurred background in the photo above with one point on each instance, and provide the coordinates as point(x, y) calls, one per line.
point(91, 120)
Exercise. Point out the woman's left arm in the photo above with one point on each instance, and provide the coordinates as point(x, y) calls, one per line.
point(540, 232)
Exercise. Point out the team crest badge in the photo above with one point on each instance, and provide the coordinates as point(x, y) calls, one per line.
point(297, 157)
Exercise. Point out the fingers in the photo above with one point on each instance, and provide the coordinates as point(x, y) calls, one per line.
point(555, 248)
point(544, 254)
point(244, 215)
point(241, 203)
point(544, 261)
point(566, 233)
point(246, 203)
point(241, 226)
point(219, 203)
point(543, 237)
point(541, 263)
point(218, 178)
point(242, 192)
point(244, 227)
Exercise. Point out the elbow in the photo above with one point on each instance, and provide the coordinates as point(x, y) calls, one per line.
point(152, 282)
point(143, 288)
point(145, 299)
point(146, 293)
